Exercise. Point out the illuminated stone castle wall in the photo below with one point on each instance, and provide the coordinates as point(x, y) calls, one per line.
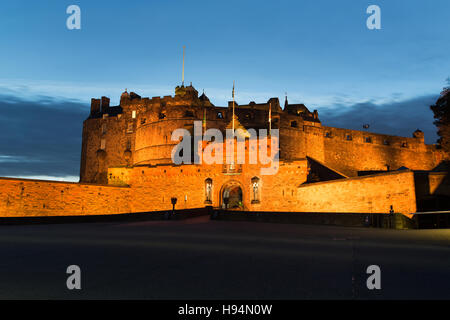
point(126, 164)
point(138, 132)
point(24, 197)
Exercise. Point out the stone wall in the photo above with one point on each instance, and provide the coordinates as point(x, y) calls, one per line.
point(154, 186)
point(432, 184)
point(145, 126)
point(367, 194)
point(439, 183)
point(21, 197)
point(350, 151)
point(117, 133)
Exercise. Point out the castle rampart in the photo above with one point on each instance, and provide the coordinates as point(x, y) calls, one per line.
point(126, 164)
point(350, 151)
point(25, 197)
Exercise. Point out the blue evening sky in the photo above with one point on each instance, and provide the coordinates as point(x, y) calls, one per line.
point(320, 52)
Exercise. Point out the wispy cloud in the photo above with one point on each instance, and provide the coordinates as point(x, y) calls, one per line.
point(15, 159)
point(73, 92)
point(395, 117)
point(48, 177)
point(41, 137)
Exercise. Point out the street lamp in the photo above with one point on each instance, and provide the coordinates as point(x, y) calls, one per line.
point(174, 202)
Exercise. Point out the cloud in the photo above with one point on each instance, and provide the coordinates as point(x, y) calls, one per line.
point(399, 118)
point(40, 137)
point(66, 91)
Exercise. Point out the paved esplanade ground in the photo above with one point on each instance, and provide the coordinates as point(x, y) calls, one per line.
point(198, 258)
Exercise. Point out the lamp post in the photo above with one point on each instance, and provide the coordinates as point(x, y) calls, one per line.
point(391, 217)
point(174, 202)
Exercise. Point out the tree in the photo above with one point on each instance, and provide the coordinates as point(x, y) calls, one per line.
point(441, 112)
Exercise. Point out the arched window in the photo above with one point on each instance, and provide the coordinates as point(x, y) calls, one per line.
point(255, 189)
point(208, 191)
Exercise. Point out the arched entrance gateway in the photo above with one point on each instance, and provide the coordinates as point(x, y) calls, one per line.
point(231, 196)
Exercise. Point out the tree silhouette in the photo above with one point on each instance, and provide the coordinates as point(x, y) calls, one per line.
point(441, 112)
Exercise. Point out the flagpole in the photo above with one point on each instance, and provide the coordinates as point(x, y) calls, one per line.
point(233, 107)
point(270, 119)
point(232, 160)
point(204, 120)
point(182, 75)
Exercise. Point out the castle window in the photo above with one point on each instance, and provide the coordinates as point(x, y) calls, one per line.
point(105, 116)
point(256, 190)
point(368, 140)
point(208, 191)
point(103, 144)
point(328, 134)
point(143, 121)
point(404, 145)
point(349, 137)
point(219, 115)
point(294, 124)
point(386, 142)
point(162, 115)
point(128, 144)
point(247, 116)
point(130, 127)
point(275, 123)
point(189, 114)
point(133, 114)
point(104, 128)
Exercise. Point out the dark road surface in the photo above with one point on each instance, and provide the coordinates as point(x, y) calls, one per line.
point(202, 259)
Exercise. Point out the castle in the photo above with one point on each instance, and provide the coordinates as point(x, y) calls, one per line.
point(126, 164)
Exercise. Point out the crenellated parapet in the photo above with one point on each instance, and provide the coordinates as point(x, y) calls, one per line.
point(139, 130)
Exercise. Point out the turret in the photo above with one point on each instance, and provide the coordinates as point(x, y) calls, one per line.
point(124, 97)
point(186, 91)
point(418, 134)
point(95, 106)
point(105, 103)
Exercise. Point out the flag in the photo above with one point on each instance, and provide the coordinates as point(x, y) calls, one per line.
point(204, 120)
point(233, 107)
point(270, 112)
point(270, 119)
